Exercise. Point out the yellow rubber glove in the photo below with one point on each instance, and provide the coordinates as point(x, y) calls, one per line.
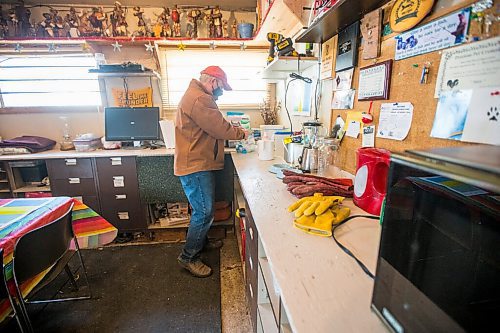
point(321, 225)
point(314, 204)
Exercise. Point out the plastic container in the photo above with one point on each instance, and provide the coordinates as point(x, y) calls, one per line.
point(245, 30)
point(268, 131)
point(87, 145)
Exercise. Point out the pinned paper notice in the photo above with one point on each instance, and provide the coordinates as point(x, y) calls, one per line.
point(353, 129)
point(395, 120)
point(368, 138)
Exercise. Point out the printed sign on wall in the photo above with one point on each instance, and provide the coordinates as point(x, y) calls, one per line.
point(135, 98)
point(436, 35)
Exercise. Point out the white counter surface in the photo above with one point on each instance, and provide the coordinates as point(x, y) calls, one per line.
point(322, 288)
point(56, 153)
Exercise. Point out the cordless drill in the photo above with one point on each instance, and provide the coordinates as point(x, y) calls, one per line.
point(273, 39)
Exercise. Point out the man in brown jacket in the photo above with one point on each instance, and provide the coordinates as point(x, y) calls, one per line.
point(200, 131)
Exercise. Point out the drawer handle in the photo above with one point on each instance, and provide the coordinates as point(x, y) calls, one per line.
point(116, 160)
point(123, 216)
point(250, 262)
point(121, 196)
point(74, 180)
point(251, 290)
point(70, 161)
point(118, 181)
point(250, 231)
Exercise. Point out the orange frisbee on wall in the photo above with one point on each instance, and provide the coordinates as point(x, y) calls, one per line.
point(406, 14)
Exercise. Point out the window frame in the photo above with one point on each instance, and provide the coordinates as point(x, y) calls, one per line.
point(68, 51)
point(204, 46)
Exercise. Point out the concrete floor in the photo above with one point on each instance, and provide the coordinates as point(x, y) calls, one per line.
point(235, 312)
point(234, 309)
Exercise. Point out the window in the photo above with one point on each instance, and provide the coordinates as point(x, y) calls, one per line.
point(241, 67)
point(48, 80)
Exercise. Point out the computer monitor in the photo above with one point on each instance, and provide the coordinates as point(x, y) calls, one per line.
point(131, 124)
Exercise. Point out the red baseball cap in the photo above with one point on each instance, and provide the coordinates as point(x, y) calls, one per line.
point(218, 73)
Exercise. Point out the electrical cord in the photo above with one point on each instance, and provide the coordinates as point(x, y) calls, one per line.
point(294, 77)
point(346, 250)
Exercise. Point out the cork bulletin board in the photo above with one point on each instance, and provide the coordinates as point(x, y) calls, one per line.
point(405, 87)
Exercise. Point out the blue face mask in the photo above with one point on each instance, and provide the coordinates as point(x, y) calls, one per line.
point(217, 92)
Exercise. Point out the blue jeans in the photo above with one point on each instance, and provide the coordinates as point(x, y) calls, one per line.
point(199, 188)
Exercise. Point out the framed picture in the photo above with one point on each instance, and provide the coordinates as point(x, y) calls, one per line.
point(374, 81)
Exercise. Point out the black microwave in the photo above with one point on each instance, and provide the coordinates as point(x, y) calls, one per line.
point(438, 268)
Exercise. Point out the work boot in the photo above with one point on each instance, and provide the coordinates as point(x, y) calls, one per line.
point(213, 244)
point(197, 267)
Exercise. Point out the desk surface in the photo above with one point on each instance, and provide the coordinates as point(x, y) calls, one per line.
point(322, 288)
point(56, 153)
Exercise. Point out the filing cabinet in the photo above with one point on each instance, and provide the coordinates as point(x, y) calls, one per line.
point(251, 265)
point(74, 177)
point(119, 193)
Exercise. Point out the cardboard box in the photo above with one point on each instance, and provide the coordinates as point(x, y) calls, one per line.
point(177, 209)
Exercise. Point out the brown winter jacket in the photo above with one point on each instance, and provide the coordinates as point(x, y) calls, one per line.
point(200, 131)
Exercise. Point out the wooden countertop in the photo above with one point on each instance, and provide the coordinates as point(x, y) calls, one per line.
point(322, 288)
point(56, 153)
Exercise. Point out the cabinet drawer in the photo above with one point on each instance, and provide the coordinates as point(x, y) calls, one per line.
point(128, 218)
point(92, 202)
point(117, 175)
point(73, 186)
point(251, 291)
point(251, 233)
point(70, 167)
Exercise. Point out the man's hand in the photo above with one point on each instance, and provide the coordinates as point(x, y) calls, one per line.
point(247, 133)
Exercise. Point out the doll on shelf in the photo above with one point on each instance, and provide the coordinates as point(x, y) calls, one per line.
point(96, 20)
point(234, 31)
point(84, 26)
point(73, 22)
point(176, 21)
point(162, 27)
point(225, 33)
point(13, 24)
point(3, 25)
point(47, 25)
point(217, 22)
point(193, 16)
point(118, 21)
point(141, 24)
point(58, 22)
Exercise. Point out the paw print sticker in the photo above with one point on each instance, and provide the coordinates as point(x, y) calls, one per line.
point(493, 113)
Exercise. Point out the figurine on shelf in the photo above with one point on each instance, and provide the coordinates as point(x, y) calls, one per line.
point(72, 21)
point(225, 33)
point(103, 17)
point(141, 24)
point(162, 27)
point(176, 21)
point(47, 26)
point(98, 21)
point(193, 16)
point(13, 24)
point(85, 27)
point(234, 30)
point(210, 23)
point(58, 22)
point(3, 25)
point(217, 22)
point(118, 20)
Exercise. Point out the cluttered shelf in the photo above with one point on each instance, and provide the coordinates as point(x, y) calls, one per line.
point(281, 66)
point(32, 188)
point(340, 15)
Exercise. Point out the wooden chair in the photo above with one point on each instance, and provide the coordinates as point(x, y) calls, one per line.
point(42, 249)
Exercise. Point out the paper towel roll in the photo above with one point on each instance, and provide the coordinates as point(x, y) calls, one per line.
point(265, 149)
point(168, 131)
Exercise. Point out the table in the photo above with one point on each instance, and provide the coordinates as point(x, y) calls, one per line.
point(19, 216)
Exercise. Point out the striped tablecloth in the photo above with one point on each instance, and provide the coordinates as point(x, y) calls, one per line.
point(19, 216)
